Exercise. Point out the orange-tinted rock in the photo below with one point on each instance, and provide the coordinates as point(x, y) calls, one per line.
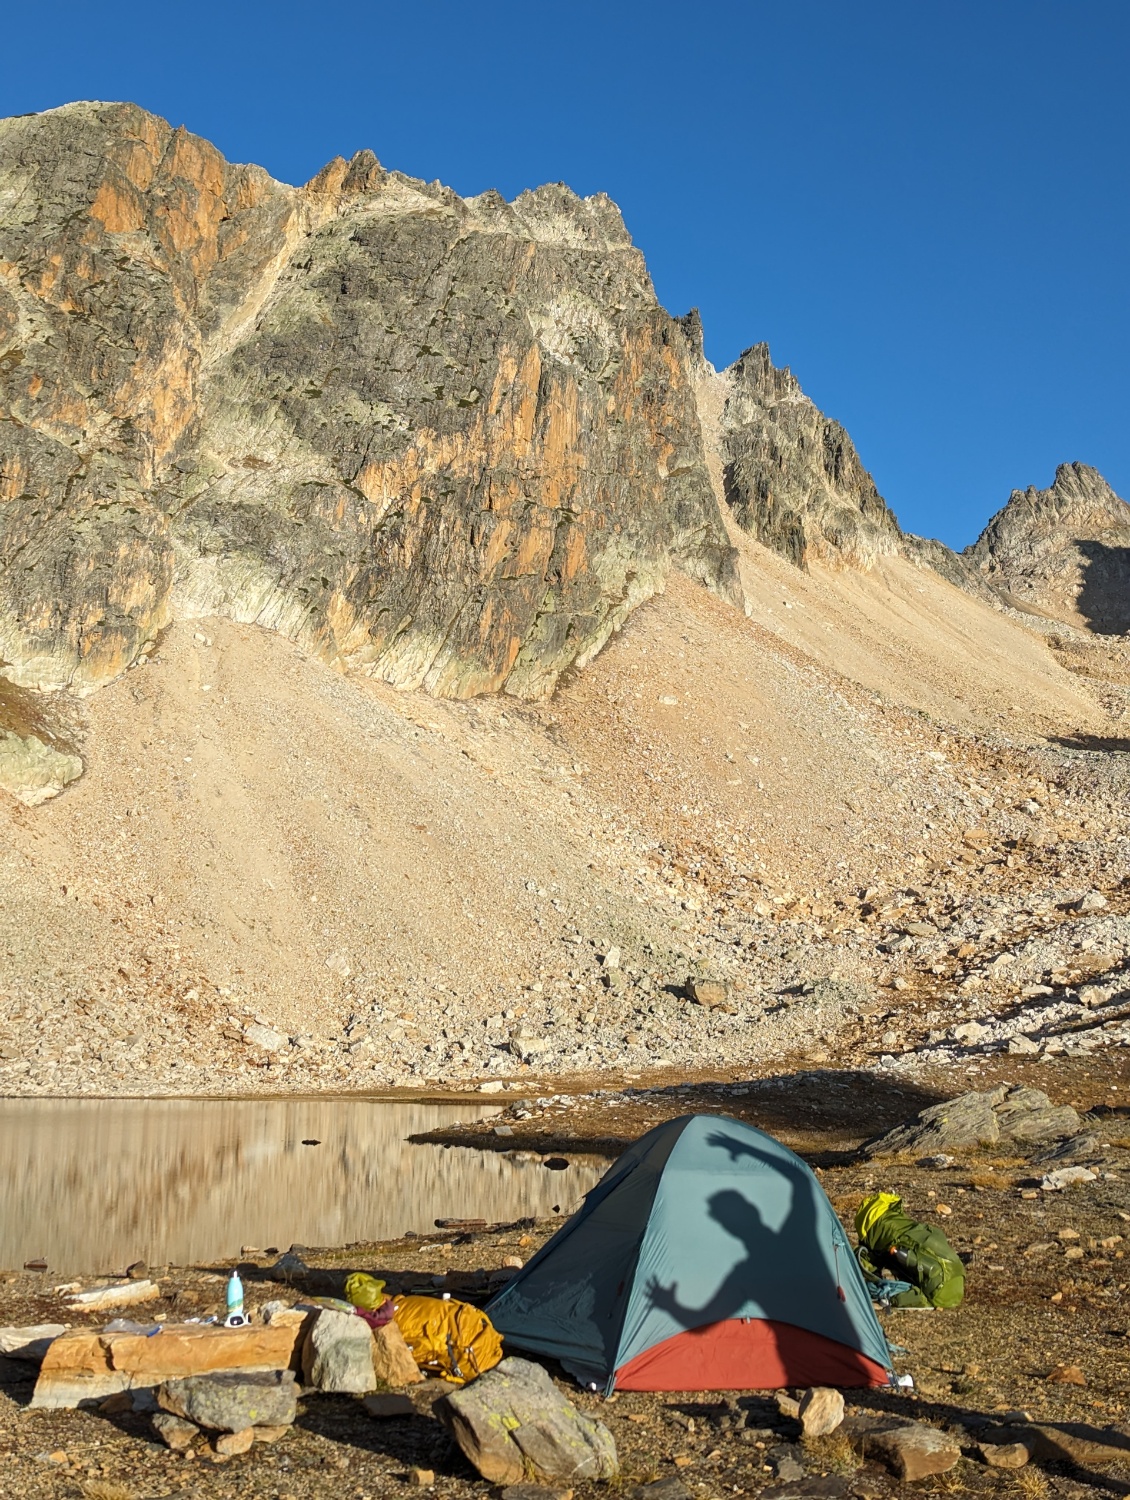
point(83, 1367)
point(451, 442)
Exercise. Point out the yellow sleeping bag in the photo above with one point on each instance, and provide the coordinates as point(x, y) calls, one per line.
point(447, 1338)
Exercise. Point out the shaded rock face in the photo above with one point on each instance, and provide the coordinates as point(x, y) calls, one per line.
point(449, 442)
point(792, 475)
point(1064, 551)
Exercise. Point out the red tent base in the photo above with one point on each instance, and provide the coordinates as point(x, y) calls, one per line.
point(747, 1354)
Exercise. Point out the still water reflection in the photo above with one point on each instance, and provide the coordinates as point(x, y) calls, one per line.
point(92, 1185)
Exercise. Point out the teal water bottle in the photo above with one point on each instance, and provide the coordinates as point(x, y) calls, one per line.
point(235, 1298)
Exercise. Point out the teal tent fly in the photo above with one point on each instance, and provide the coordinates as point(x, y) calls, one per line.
point(708, 1257)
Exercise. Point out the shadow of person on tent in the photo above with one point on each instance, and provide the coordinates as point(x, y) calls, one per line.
point(783, 1269)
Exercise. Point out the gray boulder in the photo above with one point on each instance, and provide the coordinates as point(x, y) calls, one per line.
point(514, 1424)
point(1018, 1116)
point(338, 1354)
point(234, 1400)
point(1029, 1116)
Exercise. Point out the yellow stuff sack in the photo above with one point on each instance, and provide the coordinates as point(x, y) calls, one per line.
point(448, 1338)
point(365, 1291)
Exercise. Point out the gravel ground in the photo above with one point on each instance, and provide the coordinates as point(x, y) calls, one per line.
point(1047, 1286)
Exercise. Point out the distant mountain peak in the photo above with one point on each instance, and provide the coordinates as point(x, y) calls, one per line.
point(792, 475)
point(1064, 551)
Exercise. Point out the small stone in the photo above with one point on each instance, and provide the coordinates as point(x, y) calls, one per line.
point(174, 1432)
point(683, 1461)
point(113, 1406)
point(422, 1478)
point(514, 1260)
point(1093, 901)
point(390, 1405)
point(821, 1410)
point(1055, 1182)
point(786, 1466)
point(707, 992)
point(787, 1406)
point(1066, 1375)
point(228, 1444)
point(392, 1359)
point(1004, 1455)
point(492, 1086)
point(266, 1037)
point(269, 1434)
point(138, 1271)
point(1023, 1046)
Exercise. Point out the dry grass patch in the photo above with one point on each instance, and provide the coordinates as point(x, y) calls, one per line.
point(1031, 1483)
point(832, 1453)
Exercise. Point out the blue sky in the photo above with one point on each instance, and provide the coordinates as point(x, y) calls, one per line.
point(923, 207)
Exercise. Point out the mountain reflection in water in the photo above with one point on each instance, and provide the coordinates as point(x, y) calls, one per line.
point(93, 1185)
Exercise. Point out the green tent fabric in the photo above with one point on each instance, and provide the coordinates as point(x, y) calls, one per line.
point(707, 1257)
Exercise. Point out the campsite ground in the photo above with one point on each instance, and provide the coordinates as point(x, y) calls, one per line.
point(1047, 1287)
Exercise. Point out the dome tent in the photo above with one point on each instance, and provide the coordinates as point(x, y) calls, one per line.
point(708, 1257)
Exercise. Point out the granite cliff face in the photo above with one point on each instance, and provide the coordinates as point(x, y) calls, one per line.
point(792, 476)
point(452, 443)
point(1064, 551)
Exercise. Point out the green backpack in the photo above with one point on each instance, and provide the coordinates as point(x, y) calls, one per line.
point(891, 1240)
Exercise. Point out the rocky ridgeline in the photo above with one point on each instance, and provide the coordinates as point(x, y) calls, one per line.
point(792, 476)
point(1063, 551)
point(449, 442)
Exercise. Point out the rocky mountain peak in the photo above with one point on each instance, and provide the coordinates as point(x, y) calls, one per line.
point(1064, 550)
point(449, 442)
point(792, 476)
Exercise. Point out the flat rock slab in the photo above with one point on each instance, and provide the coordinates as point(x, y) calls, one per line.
point(514, 1424)
point(83, 1367)
point(1067, 1442)
point(1005, 1455)
point(911, 1450)
point(29, 1343)
point(914, 1451)
point(234, 1401)
point(1025, 1117)
point(128, 1294)
point(338, 1354)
